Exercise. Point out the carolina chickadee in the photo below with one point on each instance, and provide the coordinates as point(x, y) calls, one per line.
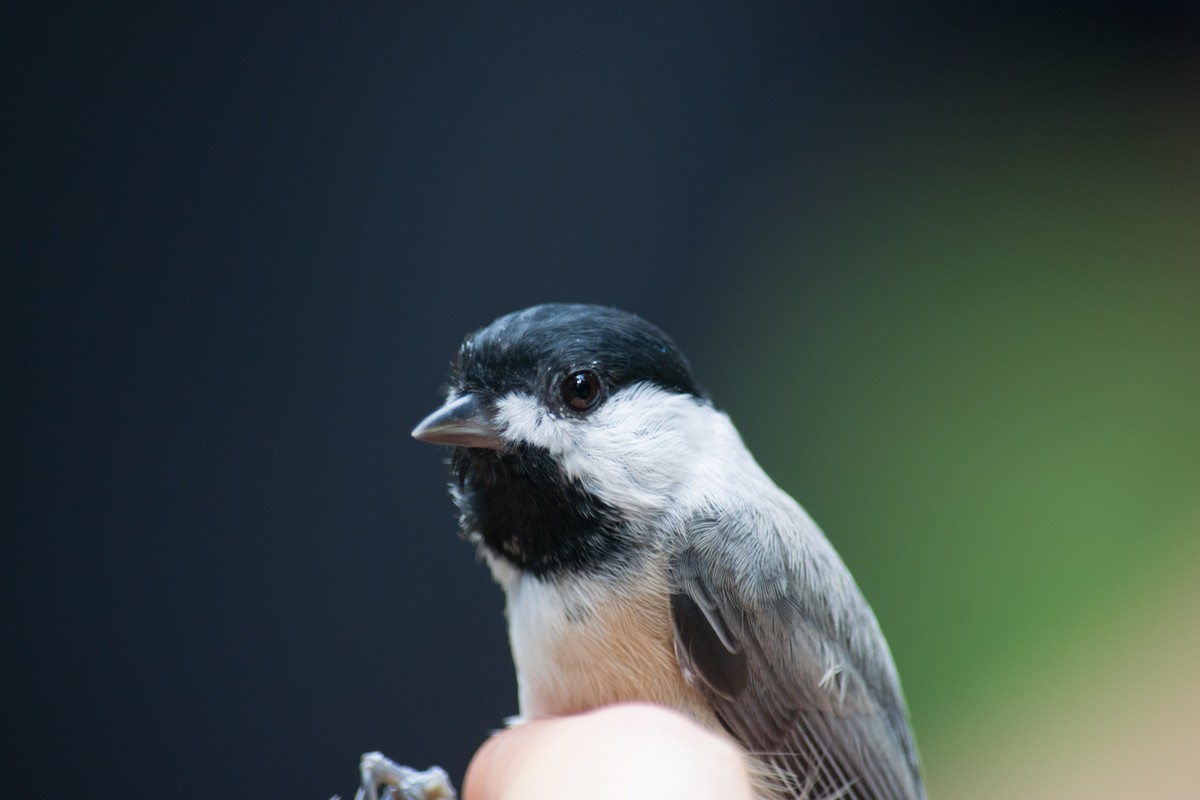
point(645, 555)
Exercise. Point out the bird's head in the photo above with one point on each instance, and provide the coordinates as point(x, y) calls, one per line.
point(568, 422)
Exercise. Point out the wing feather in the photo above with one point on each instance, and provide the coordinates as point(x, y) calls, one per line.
point(783, 672)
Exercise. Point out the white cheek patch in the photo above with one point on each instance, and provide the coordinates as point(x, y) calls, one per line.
point(639, 448)
point(632, 452)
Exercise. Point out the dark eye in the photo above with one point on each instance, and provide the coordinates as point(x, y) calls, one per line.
point(581, 390)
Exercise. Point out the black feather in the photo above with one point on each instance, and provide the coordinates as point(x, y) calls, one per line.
point(524, 509)
point(528, 349)
point(724, 670)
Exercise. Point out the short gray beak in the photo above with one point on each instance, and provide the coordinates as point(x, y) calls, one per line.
point(461, 422)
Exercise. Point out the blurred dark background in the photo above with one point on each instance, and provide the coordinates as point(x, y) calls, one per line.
point(940, 262)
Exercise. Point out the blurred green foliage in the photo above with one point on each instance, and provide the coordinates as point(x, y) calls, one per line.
point(974, 355)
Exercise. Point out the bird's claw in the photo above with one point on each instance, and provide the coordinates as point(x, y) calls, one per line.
point(401, 783)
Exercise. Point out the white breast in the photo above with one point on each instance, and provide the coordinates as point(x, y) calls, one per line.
point(589, 643)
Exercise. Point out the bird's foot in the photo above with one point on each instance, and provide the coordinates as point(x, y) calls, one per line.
point(401, 783)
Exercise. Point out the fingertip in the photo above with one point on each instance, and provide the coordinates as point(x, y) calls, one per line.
point(489, 769)
point(632, 750)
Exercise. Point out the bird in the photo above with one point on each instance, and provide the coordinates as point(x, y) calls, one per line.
point(645, 556)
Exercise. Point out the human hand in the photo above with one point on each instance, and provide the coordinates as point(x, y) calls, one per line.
point(629, 751)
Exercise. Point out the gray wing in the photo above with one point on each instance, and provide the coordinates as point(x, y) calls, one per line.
point(778, 638)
